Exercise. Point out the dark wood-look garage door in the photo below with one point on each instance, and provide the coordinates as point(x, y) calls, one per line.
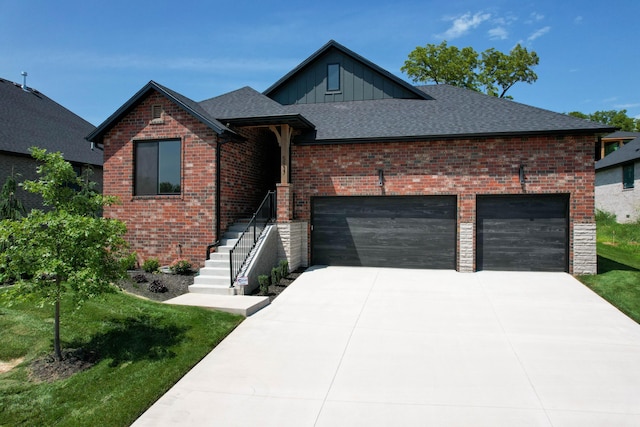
point(523, 233)
point(402, 232)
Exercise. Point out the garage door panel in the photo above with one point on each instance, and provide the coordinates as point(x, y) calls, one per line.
point(409, 232)
point(523, 233)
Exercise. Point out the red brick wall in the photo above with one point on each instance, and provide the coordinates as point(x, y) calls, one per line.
point(181, 226)
point(248, 170)
point(164, 227)
point(463, 168)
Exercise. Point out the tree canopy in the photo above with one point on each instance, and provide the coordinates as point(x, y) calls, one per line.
point(69, 249)
point(617, 118)
point(493, 72)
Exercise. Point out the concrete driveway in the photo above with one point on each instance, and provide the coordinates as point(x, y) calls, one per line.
point(380, 347)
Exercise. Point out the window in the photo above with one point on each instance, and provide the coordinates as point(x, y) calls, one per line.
point(628, 175)
point(157, 166)
point(156, 112)
point(333, 77)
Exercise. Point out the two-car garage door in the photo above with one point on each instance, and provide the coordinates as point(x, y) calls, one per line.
point(516, 232)
point(393, 231)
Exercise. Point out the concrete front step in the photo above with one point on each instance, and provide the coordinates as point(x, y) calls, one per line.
point(239, 304)
point(212, 289)
point(222, 280)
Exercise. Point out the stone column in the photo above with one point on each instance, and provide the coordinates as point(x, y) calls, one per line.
point(585, 259)
point(466, 255)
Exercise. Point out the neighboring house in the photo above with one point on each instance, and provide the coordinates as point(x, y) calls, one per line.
point(618, 182)
point(613, 141)
point(30, 119)
point(369, 170)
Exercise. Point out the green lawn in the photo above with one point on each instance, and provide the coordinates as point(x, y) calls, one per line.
point(618, 279)
point(144, 348)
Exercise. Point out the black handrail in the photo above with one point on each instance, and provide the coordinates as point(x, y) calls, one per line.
point(246, 242)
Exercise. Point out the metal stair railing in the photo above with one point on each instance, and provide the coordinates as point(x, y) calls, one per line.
point(247, 241)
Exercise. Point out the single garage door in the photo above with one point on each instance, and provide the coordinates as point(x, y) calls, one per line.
point(384, 231)
point(523, 233)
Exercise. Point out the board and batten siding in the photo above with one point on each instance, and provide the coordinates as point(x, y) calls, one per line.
point(358, 82)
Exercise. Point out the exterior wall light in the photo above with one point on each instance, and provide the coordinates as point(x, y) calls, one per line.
point(380, 177)
point(523, 179)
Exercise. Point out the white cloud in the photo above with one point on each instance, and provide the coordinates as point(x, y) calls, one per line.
point(534, 17)
point(499, 33)
point(463, 24)
point(541, 32)
point(626, 106)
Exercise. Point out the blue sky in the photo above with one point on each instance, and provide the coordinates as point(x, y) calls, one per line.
point(91, 57)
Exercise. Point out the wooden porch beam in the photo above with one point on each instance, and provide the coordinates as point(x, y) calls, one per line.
point(283, 135)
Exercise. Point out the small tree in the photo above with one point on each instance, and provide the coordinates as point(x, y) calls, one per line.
point(10, 206)
point(68, 249)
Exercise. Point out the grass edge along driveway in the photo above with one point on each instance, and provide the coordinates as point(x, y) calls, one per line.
point(144, 348)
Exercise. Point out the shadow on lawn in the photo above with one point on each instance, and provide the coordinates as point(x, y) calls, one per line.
point(133, 339)
point(606, 265)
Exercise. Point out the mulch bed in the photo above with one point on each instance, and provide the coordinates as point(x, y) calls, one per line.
point(175, 285)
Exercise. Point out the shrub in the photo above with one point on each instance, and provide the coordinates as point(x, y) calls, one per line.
point(130, 261)
point(157, 286)
point(263, 280)
point(275, 275)
point(181, 266)
point(604, 217)
point(139, 278)
point(151, 265)
point(284, 268)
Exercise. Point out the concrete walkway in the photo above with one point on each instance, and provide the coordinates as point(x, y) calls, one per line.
point(380, 347)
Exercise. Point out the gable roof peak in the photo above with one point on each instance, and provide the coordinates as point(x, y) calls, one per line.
point(332, 44)
point(182, 101)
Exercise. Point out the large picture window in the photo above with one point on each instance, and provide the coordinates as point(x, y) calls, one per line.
point(157, 166)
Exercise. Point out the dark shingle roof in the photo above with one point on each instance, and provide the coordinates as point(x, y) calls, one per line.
point(628, 153)
point(246, 107)
point(453, 112)
point(29, 118)
point(187, 104)
point(241, 103)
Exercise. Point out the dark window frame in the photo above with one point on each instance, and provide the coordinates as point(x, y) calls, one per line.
point(332, 84)
point(154, 179)
point(628, 176)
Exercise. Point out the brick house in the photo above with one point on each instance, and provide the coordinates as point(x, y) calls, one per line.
point(28, 118)
point(369, 170)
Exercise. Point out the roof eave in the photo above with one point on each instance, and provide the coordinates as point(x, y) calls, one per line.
point(434, 137)
point(297, 121)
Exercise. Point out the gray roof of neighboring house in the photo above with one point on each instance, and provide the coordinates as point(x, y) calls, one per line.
point(187, 104)
point(628, 153)
point(29, 118)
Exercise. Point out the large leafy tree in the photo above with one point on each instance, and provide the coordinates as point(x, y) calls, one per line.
point(69, 248)
point(493, 72)
point(617, 118)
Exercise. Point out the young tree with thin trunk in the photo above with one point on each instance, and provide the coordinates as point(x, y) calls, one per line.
point(69, 249)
